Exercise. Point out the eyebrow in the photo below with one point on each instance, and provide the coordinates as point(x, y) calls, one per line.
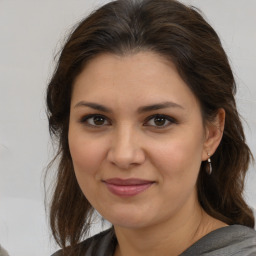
point(92, 105)
point(148, 108)
point(167, 104)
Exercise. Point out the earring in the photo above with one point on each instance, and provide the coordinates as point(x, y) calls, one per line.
point(209, 166)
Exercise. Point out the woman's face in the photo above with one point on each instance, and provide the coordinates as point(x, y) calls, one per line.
point(136, 139)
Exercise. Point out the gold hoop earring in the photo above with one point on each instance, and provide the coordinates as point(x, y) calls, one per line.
point(209, 165)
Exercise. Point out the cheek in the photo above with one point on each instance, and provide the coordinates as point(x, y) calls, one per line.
point(86, 153)
point(180, 155)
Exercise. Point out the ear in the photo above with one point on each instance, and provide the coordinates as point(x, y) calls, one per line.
point(213, 134)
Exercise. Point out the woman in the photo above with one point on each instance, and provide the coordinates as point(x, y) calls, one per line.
point(142, 107)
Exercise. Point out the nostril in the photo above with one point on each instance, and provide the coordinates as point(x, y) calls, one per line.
point(126, 159)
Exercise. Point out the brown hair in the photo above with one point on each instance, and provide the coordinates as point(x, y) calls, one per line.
point(178, 33)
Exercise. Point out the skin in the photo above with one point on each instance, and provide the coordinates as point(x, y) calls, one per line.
point(128, 143)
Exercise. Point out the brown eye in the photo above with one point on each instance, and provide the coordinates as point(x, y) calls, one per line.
point(95, 120)
point(159, 121)
point(98, 120)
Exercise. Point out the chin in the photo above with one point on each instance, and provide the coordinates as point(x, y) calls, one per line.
point(127, 218)
point(129, 223)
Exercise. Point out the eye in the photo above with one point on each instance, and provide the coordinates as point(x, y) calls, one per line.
point(95, 120)
point(160, 121)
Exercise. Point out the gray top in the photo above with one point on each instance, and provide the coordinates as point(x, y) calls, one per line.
point(3, 252)
point(235, 240)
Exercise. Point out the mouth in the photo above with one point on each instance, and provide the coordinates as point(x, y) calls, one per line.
point(127, 187)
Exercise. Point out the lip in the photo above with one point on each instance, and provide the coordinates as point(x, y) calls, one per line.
point(127, 187)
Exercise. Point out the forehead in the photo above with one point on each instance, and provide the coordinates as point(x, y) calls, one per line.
point(136, 78)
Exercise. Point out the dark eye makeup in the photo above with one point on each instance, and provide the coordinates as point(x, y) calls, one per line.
point(160, 121)
point(157, 121)
point(95, 120)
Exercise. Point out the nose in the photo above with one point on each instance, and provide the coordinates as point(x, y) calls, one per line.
point(125, 150)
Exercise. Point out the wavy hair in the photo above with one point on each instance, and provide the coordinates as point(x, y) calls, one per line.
point(180, 34)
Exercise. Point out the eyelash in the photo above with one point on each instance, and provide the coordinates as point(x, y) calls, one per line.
point(84, 120)
point(170, 120)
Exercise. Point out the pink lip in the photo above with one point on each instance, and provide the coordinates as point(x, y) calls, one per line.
point(127, 187)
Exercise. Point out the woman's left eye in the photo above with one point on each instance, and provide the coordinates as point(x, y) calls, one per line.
point(160, 121)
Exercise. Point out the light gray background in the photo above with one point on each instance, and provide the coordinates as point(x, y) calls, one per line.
point(31, 32)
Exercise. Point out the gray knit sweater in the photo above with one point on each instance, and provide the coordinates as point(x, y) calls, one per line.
point(235, 240)
point(3, 252)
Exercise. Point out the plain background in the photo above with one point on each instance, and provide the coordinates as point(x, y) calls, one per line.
point(31, 32)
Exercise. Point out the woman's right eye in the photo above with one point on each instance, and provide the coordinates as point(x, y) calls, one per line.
point(95, 120)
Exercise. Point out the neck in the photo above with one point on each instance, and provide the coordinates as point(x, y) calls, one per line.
point(171, 237)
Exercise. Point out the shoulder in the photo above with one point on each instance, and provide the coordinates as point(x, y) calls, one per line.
point(102, 244)
point(3, 252)
point(234, 240)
